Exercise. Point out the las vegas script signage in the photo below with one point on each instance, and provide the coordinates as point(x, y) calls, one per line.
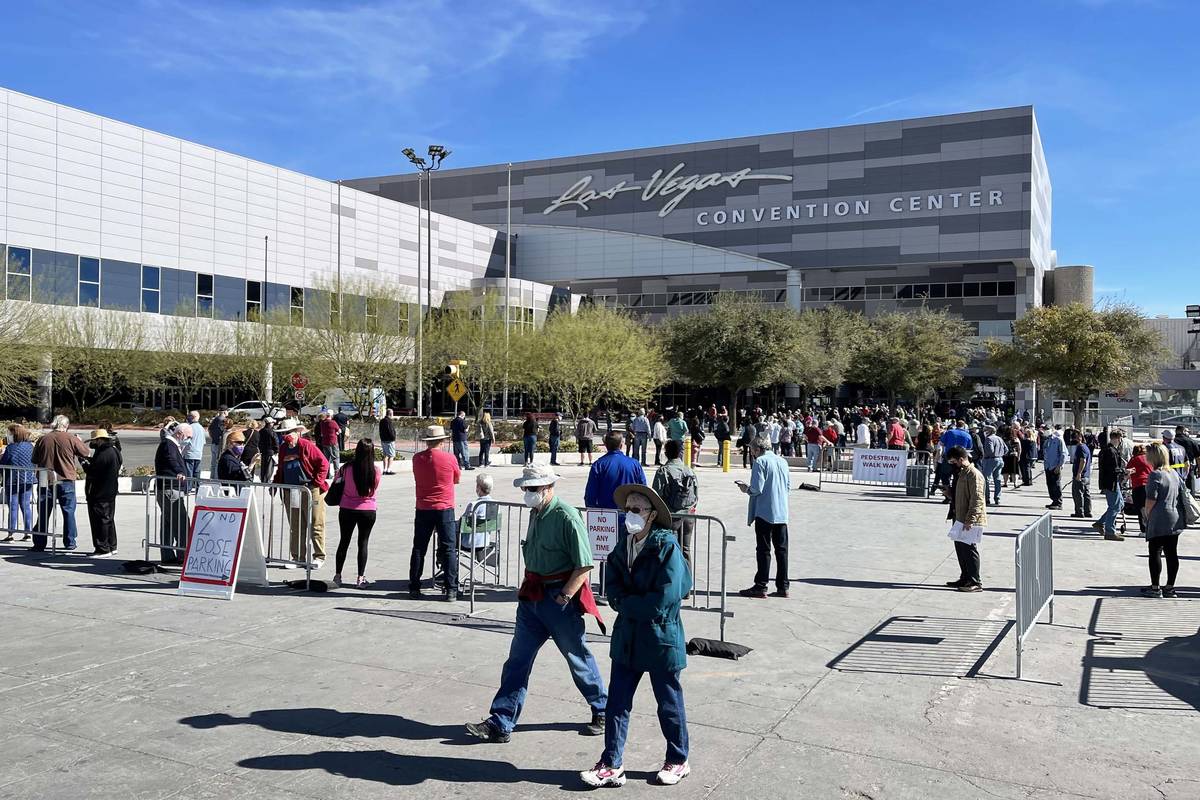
point(672, 188)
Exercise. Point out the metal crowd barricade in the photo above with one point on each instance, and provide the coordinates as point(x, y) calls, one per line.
point(840, 469)
point(498, 529)
point(1035, 578)
point(29, 503)
point(497, 533)
point(286, 518)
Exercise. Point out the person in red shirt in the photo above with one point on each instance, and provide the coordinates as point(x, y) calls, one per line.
point(897, 438)
point(327, 439)
point(435, 472)
point(301, 463)
point(1139, 474)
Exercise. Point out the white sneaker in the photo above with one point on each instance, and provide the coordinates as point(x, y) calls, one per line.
point(603, 775)
point(318, 563)
point(291, 566)
point(671, 774)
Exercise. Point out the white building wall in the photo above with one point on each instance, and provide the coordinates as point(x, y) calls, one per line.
point(77, 183)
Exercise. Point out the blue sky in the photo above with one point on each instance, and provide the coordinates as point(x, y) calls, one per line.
point(336, 89)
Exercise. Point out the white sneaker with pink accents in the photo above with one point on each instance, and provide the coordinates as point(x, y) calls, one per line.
point(671, 774)
point(603, 775)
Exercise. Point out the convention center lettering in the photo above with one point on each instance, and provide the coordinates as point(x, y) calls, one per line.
point(672, 188)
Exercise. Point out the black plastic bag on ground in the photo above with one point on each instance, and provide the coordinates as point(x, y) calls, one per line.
point(714, 648)
point(312, 586)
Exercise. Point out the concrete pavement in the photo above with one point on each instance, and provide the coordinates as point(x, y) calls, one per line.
point(872, 681)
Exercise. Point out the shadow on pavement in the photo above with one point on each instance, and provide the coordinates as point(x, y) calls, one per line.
point(934, 646)
point(840, 582)
point(398, 769)
point(455, 620)
point(1146, 655)
point(334, 724)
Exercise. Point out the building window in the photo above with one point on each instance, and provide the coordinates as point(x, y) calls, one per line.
point(970, 290)
point(89, 282)
point(372, 312)
point(1006, 288)
point(19, 284)
point(297, 305)
point(204, 295)
point(150, 289)
point(954, 290)
point(253, 300)
point(335, 310)
point(987, 289)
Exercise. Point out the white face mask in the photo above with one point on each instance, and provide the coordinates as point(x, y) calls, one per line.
point(634, 524)
point(533, 499)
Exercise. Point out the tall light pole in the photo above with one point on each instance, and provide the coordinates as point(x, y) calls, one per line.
point(507, 280)
point(437, 154)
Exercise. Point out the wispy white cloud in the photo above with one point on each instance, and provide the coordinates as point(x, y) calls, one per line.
point(393, 47)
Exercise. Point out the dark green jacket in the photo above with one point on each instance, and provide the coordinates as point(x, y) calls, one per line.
point(648, 633)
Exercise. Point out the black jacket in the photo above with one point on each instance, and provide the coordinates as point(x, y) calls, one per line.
point(101, 472)
point(168, 460)
point(250, 450)
point(387, 430)
point(231, 468)
point(268, 442)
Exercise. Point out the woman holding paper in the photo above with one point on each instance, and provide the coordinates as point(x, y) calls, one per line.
point(968, 514)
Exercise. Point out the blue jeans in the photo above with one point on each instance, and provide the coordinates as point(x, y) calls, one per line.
point(192, 468)
point(813, 453)
point(20, 498)
point(672, 718)
point(1109, 518)
point(530, 447)
point(990, 467)
point(537, 622)
point(639, 446)
point(64, 493)
point(462, 452)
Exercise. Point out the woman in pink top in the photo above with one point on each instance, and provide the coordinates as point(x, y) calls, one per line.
point(357, 508)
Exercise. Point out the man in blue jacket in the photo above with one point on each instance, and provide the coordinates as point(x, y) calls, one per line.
point(647, 581)
point(1054, 455)
point(611, 470)
point(767, 511)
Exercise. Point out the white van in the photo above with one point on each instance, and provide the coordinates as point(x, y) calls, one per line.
point(338, 399)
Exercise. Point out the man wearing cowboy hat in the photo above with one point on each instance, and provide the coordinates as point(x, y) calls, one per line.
point(301, 463)
point(100, 490)
point(435, 472)
point(647, 580)
point(553, 598)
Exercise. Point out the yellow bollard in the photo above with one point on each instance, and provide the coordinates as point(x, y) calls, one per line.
point(687, 452)
point(725, 449)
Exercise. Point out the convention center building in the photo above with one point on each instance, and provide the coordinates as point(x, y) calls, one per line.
point(951, 211)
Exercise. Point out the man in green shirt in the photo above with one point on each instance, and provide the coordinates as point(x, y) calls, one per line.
point(677, 428)
point(553, 598)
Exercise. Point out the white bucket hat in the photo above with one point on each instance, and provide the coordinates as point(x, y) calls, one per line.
point(434, 433)
point(534, 476)
point(289, 424)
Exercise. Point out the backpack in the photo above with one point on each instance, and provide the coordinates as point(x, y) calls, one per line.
point(681, 491)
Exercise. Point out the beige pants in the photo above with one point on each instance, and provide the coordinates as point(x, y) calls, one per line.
point(307, 515)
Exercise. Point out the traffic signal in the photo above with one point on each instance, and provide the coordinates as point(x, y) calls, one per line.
point(452, 369)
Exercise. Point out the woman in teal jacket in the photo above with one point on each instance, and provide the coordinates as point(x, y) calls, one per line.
point(646, 581)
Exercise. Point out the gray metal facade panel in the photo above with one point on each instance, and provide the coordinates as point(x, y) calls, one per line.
point(876, 170)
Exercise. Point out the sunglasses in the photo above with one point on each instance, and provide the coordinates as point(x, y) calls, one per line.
point(636, 509)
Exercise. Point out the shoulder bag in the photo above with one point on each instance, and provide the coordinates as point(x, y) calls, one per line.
point(333, 497)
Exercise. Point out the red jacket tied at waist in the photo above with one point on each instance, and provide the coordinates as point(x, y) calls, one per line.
point(533, 588)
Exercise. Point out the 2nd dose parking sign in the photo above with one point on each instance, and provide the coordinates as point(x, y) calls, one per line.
point(883, 466)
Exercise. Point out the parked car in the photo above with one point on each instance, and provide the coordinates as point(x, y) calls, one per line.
point(341, 400)
point(257, 409)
